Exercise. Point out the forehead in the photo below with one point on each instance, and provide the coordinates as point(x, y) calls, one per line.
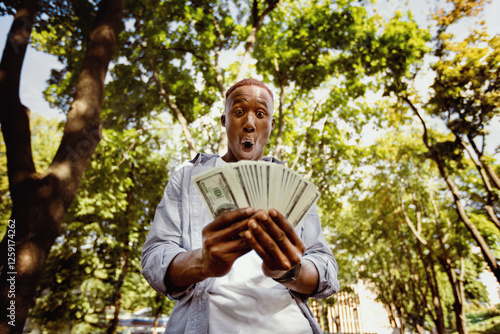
point(247, 92)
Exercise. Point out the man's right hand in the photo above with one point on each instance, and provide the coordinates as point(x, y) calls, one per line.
point(223, 243)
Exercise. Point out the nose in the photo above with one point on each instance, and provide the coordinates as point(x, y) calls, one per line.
point(249, 125)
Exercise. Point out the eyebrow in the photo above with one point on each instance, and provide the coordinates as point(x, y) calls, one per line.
point(244, 99)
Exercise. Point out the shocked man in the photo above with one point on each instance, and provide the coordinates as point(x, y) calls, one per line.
point(245, 271)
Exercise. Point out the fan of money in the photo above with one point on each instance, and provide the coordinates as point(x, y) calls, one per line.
point(259, 184)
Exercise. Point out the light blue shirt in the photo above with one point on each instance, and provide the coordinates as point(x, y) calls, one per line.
point(177, 227)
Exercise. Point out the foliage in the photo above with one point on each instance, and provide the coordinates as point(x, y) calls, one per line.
point(339, 71)
point(103, 235)
point(5, 201)
point(474, 64)
point(396, 223)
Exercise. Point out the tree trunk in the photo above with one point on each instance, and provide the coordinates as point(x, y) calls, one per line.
point(155, 323)
point(485, 250)
point(125, 239)
point(420, 329)
point(118, 294)
point(219, 78)
point(430, 275)
point(249, 44)
point(436, 310)
point(439, 321)
point(257, 20)
point(40, 201)
point(457, 287)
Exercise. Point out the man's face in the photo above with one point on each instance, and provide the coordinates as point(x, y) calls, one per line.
point(248, 121)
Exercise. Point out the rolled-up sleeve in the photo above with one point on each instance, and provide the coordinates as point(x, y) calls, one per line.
point(320, 255)
point(164, 241)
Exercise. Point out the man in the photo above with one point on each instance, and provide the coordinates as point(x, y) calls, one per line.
point(245, 271)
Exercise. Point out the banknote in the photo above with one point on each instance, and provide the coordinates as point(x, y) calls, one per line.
point(217, 193)
point(259, 184)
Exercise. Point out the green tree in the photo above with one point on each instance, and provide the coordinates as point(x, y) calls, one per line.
point(403, 64)
point(399, 228)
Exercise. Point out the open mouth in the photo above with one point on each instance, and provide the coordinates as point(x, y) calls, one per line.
point(247, 145)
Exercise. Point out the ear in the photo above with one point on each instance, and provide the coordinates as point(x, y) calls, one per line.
point(272, 124)
point(223, 120)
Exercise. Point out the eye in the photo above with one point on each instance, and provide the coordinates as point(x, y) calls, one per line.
point(260, 113)
point(238, 112)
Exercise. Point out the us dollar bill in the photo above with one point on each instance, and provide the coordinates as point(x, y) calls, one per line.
point(216, 192)
point(258, 184)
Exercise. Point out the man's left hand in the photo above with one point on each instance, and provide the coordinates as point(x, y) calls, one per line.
point(276, 242)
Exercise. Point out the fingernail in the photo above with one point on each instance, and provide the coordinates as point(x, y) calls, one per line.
point(249, 210)
point(252, 225)
point(273, 213)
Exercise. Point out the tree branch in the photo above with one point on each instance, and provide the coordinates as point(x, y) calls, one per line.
point(83, 129)
point(14, 116)
point(177, 112)
point(251, 39)
point(489, 207)
point(412, 227)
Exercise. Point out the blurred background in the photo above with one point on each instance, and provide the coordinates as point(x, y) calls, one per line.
point(389, 107)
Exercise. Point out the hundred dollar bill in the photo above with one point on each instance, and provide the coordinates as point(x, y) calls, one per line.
point(216, 191)
point(258, 184)
point(300, 208)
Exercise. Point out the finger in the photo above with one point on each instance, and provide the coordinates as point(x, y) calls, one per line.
point(232, 232)
point(252, 242)
point(266, 247)
point(229, 218)
point(239, 245)
point(291, 251)
point(236, 230)
point(287, 228)
point(231, 249)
